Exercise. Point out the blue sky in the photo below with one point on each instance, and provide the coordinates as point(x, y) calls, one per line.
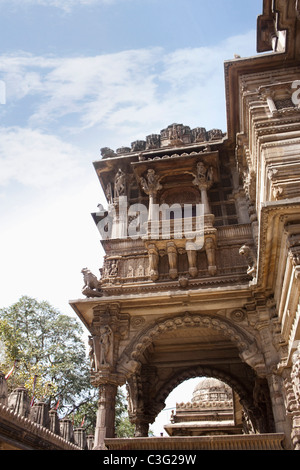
point(84, 74)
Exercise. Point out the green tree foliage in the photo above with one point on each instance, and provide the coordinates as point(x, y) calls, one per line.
point(50, 359)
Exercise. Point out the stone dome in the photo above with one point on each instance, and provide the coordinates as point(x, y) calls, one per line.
point(211, 389)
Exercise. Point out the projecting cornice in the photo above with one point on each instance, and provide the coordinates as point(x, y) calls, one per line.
point(278, 35)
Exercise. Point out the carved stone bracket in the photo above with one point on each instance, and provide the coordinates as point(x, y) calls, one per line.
point(250, 256)
point(204, 179)
point(107, 330)
point(172, 248)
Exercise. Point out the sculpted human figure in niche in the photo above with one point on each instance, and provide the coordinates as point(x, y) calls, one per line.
point(105, 344)
point(92, 352)
point(108, 194)
point(120, 183)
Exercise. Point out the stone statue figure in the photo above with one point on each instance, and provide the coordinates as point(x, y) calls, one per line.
point(120, 183)
point(90, 280)
point(250, 256)
point(204, 175)
point(108, 194)
point(150, 183)
point(92, 352)
point(105, 344)
point(91, 287)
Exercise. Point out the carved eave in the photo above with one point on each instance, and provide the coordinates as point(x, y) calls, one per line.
point(284, 16)
point(273, 219)
point(106, 168)
point(177, 164)
point(278, 26)
point(84, 308)
point(160, 303)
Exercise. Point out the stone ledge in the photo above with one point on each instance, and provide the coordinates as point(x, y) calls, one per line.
point(22, 433)
point(216, 442)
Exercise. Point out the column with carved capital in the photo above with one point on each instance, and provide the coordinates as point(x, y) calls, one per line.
point(204, 179)
point(108, 328)
point(119, 207)
point(151, 185)
point(295, 398)
point(105, 423)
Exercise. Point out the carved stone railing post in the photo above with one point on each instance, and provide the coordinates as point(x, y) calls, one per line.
point(39, 413)
point(54, 422)
point(66, 429)
point(90, 441)
point(19, 401)
point(3, 390)
point(80, 438)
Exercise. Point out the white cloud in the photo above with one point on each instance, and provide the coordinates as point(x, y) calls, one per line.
point(131, 90)
point(65, 5)
point(36, 159)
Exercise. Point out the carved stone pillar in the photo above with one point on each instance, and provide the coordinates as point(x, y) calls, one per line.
point(153, 261)
point(119, 218)
point(107, 330)
point(192, 259)
point(105, 422)
point(141, 426)
point(266, 310)
point(19, 401)
point(140, 406)
point(204, 198)
point(204, 179)
point(172, 256)
point(151, 186)
point(277, 398)
point(209, 245)
point(294, 405)
point(3, 389)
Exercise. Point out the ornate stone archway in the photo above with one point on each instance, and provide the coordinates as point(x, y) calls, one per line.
point(247, 346)
point(257, 412)
point(147, 391)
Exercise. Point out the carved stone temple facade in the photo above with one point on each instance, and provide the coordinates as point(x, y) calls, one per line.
point(209, 285)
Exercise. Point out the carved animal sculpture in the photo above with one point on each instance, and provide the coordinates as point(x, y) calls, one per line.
point(90, 280)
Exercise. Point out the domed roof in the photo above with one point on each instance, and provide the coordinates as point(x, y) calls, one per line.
point(206, 386)
point(209, 383)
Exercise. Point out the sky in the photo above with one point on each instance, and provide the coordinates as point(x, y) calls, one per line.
point(79, 75)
